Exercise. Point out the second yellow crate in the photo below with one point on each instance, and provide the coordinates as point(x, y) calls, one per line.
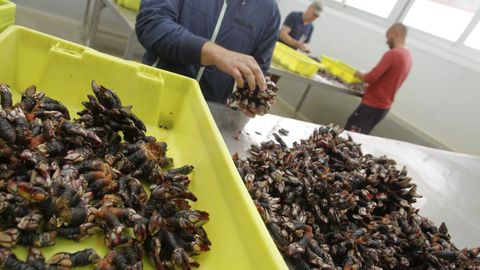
point(295, 61)
point(344, 71)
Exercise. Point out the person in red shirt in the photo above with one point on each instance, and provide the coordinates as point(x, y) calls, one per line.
point(383, 82)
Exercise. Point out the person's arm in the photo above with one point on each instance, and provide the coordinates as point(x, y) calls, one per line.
point(263, 51)
point(159, 32)
point(382, 66)
point(285, 34)
point(287, 39)
point(238, 65)
point(361, 75)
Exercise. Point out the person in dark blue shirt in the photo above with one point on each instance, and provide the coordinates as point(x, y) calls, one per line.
point(297, 28)
point(178, 34)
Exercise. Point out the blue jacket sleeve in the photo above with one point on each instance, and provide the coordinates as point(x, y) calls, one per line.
point(264, 50)
point(160, 33)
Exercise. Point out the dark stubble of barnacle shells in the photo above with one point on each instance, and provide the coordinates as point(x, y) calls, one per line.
point(74, 179)
point(329, 206)
point(255, 102)
point(358, 87)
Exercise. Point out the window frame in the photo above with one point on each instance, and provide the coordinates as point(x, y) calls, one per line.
point(456, 48)
point(450, 49)
point(365, 15)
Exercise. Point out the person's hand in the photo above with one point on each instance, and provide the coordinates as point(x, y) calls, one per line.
point(359, 74)
point(238, 65)
point(304, 47)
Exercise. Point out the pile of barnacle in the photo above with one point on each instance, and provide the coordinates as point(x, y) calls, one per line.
point(359, 87)
point(254, 102)
point(328, 206)
point(75, 178)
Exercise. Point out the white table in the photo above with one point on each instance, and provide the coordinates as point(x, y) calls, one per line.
point(448, 181)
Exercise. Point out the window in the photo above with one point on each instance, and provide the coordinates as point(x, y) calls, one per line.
point(453, 25)
point(444, 18)
point(473, 39)
point(381, 8)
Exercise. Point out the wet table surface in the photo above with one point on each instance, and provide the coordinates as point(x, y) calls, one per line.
point(315, 80)
point(448, 181)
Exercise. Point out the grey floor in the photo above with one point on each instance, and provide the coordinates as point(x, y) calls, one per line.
point(113, 42)
point(72, 30)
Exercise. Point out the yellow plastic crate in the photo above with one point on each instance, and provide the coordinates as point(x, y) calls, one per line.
point(330, 64)
point(7, 14)
point(295, 61)
point(130, 4)
point(64, 70)
point(344, 71)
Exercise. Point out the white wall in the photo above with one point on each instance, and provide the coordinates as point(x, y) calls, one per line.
point(440, 97)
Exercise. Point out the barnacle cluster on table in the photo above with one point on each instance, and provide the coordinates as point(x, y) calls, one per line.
point(72, 179)
point(329, 206)
point(359, 87)
point(255, 102)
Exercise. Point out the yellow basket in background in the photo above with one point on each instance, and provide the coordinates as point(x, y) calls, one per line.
point(174, 110)
point(7, 14)
point(348, 74)
point(295, 61)
point(344, 71)
point(331, 64)
point(130, 4)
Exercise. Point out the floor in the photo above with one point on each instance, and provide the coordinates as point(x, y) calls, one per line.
point(74, 31)
point(113, 43)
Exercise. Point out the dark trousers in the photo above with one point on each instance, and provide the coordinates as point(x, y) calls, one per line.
point(365, 118)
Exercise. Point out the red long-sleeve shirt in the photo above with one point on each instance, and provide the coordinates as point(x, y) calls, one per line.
point(386, 77)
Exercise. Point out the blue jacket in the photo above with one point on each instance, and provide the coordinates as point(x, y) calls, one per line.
point(175, 31)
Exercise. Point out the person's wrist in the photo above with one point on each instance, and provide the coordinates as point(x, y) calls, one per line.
point(297, 44)
point(209, 54)
point(218, 54)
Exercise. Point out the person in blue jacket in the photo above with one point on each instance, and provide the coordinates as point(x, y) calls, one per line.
point(217, 42)
point(297, 29)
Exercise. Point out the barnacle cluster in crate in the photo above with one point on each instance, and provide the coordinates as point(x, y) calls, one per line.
point(75, 178)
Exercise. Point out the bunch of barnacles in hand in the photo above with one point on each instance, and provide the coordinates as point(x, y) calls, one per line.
point(254, 102)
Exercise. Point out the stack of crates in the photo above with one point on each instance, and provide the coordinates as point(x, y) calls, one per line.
point(173, 109)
